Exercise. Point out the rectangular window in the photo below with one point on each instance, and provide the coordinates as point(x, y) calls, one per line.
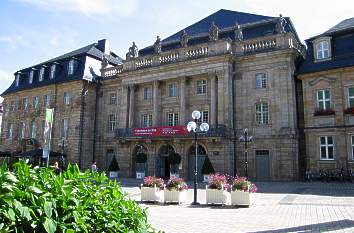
point(323, 100)
point(112, 121)
point(41, 74)
point(42, 129)
point(52, 72)
point(204, 117)
point(351, 97)
point(65, 128)
point(9, 130)
point(262, 113)
point(66, 98)
point(353, 147)
point(322, 50)
point(326, 148)
point(261, 81)
point(25, 103)
point(35, 102)
point(33, 129)
point(13, 106)
point(31, 77)
point(47, 100)
point(147, 93)
point(113, 98)
point(172, 90)
point(147, 120)
point(201, 86)
point(173, 119)
point(17, 80)
point(22, 129)
point(71, 67)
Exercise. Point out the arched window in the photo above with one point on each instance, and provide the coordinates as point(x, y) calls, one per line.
point(262, 113)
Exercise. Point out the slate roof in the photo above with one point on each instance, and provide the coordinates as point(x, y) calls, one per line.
point(92, 50)
point(252, 26)
point(342, 47)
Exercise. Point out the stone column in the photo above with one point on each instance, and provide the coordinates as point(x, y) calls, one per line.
point(131, 105)
point(213, 99)
point(124, 104)
point(155, 116)
point(221, 93)
point(183, 101)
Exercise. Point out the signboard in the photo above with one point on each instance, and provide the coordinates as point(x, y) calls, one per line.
point(160, 131)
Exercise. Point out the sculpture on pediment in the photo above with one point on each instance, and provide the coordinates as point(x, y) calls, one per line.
point(280, 27)
point(104, 62)
point(184, 39)
point(157, 45)
point(133, 52)
point(238, 32)
point(213, 32)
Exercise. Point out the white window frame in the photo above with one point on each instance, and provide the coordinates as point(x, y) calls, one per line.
point(33, 129)
point(262, 113)
point(35, 102)
point(172, 90)
point(204, 117)
point(71, 67)
point(147, 93)
point(66, 98)
point(31, 75)
point(322, 48)
point(10, 127)
point(324, 100)
point(64, 128)
point(13, 106)
point(46, 100)
point(261, 81)
point(52, 71)
point(22, 130)
point(17, 80)
point(350, 98)
point(146, 120)
point(41, 74)
point(201, 86)
point(113, 98)
point(112, 122)
point(173, 119)
point(327, 145)
point(25, 103)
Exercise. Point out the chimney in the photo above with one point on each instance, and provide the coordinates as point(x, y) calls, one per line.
point(103, 45)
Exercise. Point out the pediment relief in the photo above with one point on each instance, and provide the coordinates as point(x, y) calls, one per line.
point(322, 78)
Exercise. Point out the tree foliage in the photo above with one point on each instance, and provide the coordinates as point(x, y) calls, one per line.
point(114, 165)
point(207, 167)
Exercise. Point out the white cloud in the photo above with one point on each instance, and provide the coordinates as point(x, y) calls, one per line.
point(6, 79)
point(87, 7)
point(13, 41)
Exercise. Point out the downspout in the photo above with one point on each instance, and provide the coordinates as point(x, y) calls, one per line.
point(82, 115)
point(95, 119)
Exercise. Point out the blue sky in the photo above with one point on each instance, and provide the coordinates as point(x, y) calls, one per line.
point(33, 31)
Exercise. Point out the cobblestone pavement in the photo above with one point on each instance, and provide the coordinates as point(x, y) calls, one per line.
point(278, 207)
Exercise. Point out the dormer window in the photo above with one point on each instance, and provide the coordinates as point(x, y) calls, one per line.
point(41, 74)
point(71, 67)
point(31, 77)
point(322, 48)
point(17, 79)
point(52, 72)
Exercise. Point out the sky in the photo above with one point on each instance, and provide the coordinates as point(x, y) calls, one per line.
point(33, 31)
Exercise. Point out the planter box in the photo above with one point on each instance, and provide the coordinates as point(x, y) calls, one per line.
point(215, 196)
point(140, 175)
point(113, 175)
point(175, 196)
point(241, 198)
point(151, 194)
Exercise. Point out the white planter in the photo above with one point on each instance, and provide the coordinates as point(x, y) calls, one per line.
point(206, 178)
point(175, 196)
point(241, 198)
point(113, 174)
point(140, 175)
point(174, 175)
point(215, 196)
point(151, 194)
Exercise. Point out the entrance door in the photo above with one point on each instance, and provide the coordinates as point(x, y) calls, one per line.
point(200, 161)
point(262, 165)
point(164, 164)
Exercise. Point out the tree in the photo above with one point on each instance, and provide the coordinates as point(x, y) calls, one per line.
point(207, 167)
point(113, 167)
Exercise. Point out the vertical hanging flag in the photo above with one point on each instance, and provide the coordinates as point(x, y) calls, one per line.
point(47, 134)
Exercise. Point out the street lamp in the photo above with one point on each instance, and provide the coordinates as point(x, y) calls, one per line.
point(192, 126)
point(246, 139)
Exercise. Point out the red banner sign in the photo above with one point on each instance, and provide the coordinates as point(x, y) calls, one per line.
point(160, 131)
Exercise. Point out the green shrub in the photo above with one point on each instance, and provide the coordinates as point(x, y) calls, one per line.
point(114, 165)
point(207, 167)
point(38, 200)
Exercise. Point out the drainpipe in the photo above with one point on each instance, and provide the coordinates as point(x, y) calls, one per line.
point(98, 84)
point(82, 117)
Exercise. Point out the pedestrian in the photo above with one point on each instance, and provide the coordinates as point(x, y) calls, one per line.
point(57, 169)
point(93, 166)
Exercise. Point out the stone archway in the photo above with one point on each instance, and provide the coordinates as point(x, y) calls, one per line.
point(202, 153)
point(163, 165)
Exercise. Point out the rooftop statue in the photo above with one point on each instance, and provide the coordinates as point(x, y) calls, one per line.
point(280, 27)
point(184, 39)
point(133, 52)
point(213, 32)
point(104, 62)
point(238, 32)
point(157, 45)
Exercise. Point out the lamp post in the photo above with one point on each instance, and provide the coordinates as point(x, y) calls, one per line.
point(192, 126)
point(246, 139)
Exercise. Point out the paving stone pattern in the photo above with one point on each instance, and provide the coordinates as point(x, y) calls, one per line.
point(278, 207)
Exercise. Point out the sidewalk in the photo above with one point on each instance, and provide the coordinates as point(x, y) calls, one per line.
point(279, 207)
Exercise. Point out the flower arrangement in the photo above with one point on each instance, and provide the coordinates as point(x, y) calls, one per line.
point(217, 181)
point(177, 184)
point(349, 111)
point(242, 184)
point(152, 181)
point(324, 112)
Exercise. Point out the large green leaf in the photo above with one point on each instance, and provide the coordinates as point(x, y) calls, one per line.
point(35, 190)
point(49, 225)
point(11, 177)
point(48, 209)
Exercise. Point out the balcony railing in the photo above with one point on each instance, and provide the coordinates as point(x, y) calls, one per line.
point(214, 131)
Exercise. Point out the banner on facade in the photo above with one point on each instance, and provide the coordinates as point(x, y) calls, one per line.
point(47, 134)
point(159, 131)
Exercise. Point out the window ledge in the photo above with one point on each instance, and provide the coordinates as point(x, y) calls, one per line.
point(323, 59)
point(326, 161)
